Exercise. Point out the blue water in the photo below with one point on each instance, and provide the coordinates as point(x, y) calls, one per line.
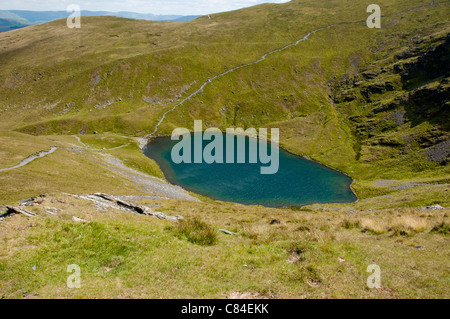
point(298, 182)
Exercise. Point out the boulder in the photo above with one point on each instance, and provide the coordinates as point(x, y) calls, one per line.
point(433, 207)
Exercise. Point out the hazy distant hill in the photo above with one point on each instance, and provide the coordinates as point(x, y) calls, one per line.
point(6, 25)
point(10, 21)
point(15, 19)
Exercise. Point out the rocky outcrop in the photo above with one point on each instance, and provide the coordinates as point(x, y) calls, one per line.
point(33, 201)
point(398, 116)
point(431, 101)
point(106, 201)
point(17, 210)
point(394, 104)
point(376, 88)
point(428, 65)
point(410, 90)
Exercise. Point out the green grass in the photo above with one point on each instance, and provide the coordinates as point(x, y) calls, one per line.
point(132, 157)
point(124, 255)
point(195, 231)
point(443, 228)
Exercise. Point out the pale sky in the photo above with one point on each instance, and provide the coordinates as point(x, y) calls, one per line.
point(178, 7)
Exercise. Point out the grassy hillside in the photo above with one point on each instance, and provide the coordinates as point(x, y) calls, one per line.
point(309, 255)
point(372, 103)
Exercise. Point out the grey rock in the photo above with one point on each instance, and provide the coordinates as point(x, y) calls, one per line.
point(227, 232)
point(79, 220)
point(433, 207)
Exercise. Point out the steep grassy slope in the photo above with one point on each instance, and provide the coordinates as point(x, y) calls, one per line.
point(109, 57)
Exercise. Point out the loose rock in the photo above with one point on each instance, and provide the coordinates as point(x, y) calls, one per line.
point(17, 210)
point(433, 207)
point(227, 232)
point(79, 220)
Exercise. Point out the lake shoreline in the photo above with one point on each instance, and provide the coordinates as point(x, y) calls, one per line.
point(174, 181)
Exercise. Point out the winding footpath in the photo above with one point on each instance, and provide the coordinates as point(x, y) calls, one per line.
point(30, 158)
point(53, 149)
point(208, 81)
point(156, 187)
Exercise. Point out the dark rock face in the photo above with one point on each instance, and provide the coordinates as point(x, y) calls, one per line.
point(345, 96)
point(376, 88)
point(431, 138)
point(431, 102)
point(399, 94)
point(396, 103)
point(409, 53)
point(429, 65)
point(369, 75)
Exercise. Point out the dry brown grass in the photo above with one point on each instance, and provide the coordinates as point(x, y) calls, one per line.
point(408, 225)
point(375, 226)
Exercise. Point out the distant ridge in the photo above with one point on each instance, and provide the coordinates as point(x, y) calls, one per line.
point(16, 19)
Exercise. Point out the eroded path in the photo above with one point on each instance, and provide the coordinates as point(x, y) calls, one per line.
point(53, 149)
point(151, 185)
point(156, 188)
point(31, 158)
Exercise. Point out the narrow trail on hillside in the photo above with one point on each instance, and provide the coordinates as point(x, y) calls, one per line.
point(150, 184)
point(157, 187)
point(31, 158)
point(53, 149)
point(209, 80)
